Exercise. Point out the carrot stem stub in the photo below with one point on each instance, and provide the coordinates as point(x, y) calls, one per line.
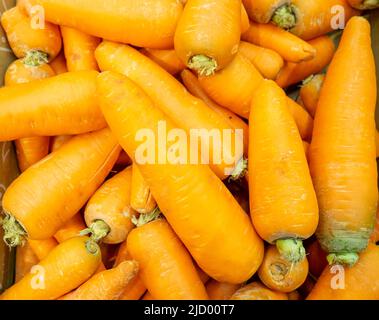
point(14, 233)
point(203, 65)
point(285, 17)
point(98, 229)
point(291, 249)
point(35, 58)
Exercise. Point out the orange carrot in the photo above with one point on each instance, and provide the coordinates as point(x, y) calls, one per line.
point(19, 71)
point(59, 63)
point(262, 11)
point(343, 163)
point(221, 290)
point(70, 229)
point(25, 260)
point(290, 47)
point(310, 92)
point(59, 141)
point(245, 22)
point(68, 175)
point(295, 72)
point(167, 59)
point(316, 258)
point(364, 4)
point(257, 291)
point(43, 247)
point(195, 202)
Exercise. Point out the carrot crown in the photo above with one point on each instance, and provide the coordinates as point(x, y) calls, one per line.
point(14, 233)
point(203, 65)
point(35, 58)
point(98, 229)
point(291, 250)
point(146, 217)
point(348, 258)
point(285, 17)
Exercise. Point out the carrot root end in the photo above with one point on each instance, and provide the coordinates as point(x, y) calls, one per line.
point(203, 65)
point(285, 17)
point(14, 233)
point(35, 58)
point(348, 258)
point(291, 250)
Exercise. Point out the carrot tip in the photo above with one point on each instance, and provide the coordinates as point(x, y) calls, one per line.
point(240, 170)
point(348, 258)
point(285, 17)
point(146, 217)
point(14, 233)
point(291, 250)
point(98, 230)
point(35, 58)
point(203, 65)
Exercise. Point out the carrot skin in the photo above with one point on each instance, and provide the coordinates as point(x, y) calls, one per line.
point(167, 59)
point(257, 291)
point(261, 11)
point(221, 290)
point(42, 247)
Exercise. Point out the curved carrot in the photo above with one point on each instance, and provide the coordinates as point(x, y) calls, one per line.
point(196, 203)
point(290, 47)
point(310, 92)
point(25, 260)
point(79, 49)
point(69, 176)
point(108, 212)
point(167, 59)
point(267, 61)
point(70, 229)
point(37, 44)
point(186, 111)
point(257, 291)
point(359, 282)
point(208, 34)
point(364, 4)
point(316, 258)
point(221, 290)
point(59, 63)
point(262, 11)
point(150, 24)
point(293, 73)
point(43, 247)
point(281, 275)
point(283, 204)
point(344, 168)
point(66, 267)
point(59, 141)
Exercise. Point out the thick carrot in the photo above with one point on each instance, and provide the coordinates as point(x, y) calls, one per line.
point(257, 291)
point(64, 104)
point(310, 92)
point(262, 11)
point(38, 45)
point(281, 275)
point(150, 24)
point(59, 63)
point(43, 247)
point(25, 260)
point(290, 47)
point(293, 73)
point(208, 34)
point(70, 229)
point(66, 267)
point(283, 204)
point(108, 212)
point(344, 167)
point(359, 282)
point(79, 49)
point(196, 203)
point(268, 62)
point(316, 258)
point(221, 290)
point(167, 59)
point(69, 176)
point(58, 141)
point(141, 199)
point(364, 4)
point(170, 96)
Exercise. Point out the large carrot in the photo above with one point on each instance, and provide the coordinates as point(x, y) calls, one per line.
point(359, 282)
point(167, 59)
point(64, 104)
point(221, 290)
point(310, 92)
point(283, 204)
point(208, 34)
point(43, 247)
point(150, 23)
point(64, 269)
point(293, 73)
point(262, 11)
point(69, 176)
point(290, 47)
point(257, 291)
point(108, 212)
point(170, 96)
point(59, 63)
point(195, 202)
point(364, 4)
point(344, 168)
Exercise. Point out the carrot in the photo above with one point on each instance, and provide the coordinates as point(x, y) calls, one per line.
point(344, 168)
point(359, 282)
point(364, 4)
point(267, 61)
point(150, 24)
point(303, 120)
point(295, 72)
point(262, 11)
point(37, 45)
point(108, 284)
point(312, 18)
point(141, 199)
point(245, 22)
point(79, 49)
point(59, 63)
point(65, 268)
point(59, 141)
point(283, 204)
point(208, 34)
point(316, 258)
point(25, 260)
point(70, 229)
point(280, 275)
point(221, 290)
point(108, 212)
point(180, 189)
point(166, 267)
point(310, 92)
point(290, 47)
point(186, 111)
point(257, 291)
point(167, 59)
point(43, 247)
point(69, 176)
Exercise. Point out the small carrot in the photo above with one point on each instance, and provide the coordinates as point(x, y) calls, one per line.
point(310, 92)
point(70, 229)
point(290, 47)
point(221, 290)
point(262, 11)
point(293, 73)
point(316, 258)
point(66, 267)
point(108, 212)
point(64, 104)
point(281, 275)
point(59, 141)
point(344, 167)
point(283, 204)
point(151, 24)
point(43, 247)
point(69, 176)
point(208, 34)
point(141, 199)
point(196, 218)
point(79, 49)
point(59, 63)
point(364, 4)
point(37, 45)
point(268, 62)
point(257, 291)
point(25, 260)
point(167, 59)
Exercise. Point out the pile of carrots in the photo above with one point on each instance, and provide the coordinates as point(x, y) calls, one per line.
point(294, 216)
